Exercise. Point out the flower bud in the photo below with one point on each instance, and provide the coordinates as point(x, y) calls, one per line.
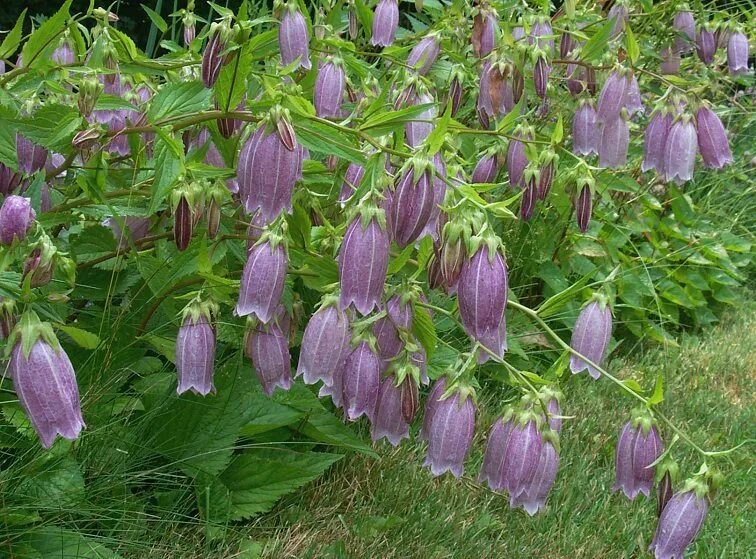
point(585, 132)
point(530, 193)
point(567, 43)
point(136, 229)
point(706, 45)
point(655, 140)
point(324, 345)
point(450, 434)
point(613, 143)
point(329, 89)
point(44, 381)
point(424, 54)
point(455, 94)
point(663, 493)
point(183, 223)
point(89, 91)
point(353, 24)
point(230, 126)
point(517, 161)
point(267, 172)
point(410, 397)
point(188, 21)
point(737, 54)
point(482, 295)
point(267, 346)
point(385, 22)
point(363, 263)
point(16, 217)
point(418, 129)
point(670, 61)
point(541, 76)
point(613, 97)
point(712, 139)
point(212, 56)
point(195, 350)
point(685, 27)
point(31, 157)
point(680, 151)
point(542, 35)
point(547, 161)
point(389, 421)
point(293, 40)
point(9, 180)
point(362, 378)
point(352, 179)
point(451, 259)
point(679, 524)
point(86, 139)
point(486, 169)
point(638, 446)
point(590, 337)
point(411, 206)
point(618, 13)
point(584, 207)
point(39, 269)
point(263, 279)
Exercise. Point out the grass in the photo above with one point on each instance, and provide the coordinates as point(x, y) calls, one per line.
point(392, 507)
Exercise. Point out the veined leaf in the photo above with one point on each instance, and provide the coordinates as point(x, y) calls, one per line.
point(383, 122)
point(156, 18)
point(633, 51)
point(45, 38)
point(13, 38)
point(232, 81)
point(595, 47)
point(658, 395)
point(424, 329)
point(179, 98)
point(168, 161)
point(85, 339)
point(321, 138)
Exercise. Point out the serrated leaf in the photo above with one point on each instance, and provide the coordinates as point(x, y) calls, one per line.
point(325, 139)
point(13, 38)
point(52, 126)
point(232, 81)
point(436, 137)
point(595, 47)
point(56, 483)
point(327, 428)
point(53, 542)
point(257, 479)
point(425, 330)
point(558, 133)
point(658, 395)
point(169, 165)
point(178, 99)
point(383, 122)
point(554, 303)
point(156, 18)
point(85, 339)
point(45, 38)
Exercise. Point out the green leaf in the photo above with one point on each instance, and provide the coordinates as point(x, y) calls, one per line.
point(13, 38)
point(54, 542)
point(177, 99)
point(436, 137)
point(327, 428)
point(156, 18)
point(52, 484)
point(168, 161)
point(325, 139)
point(596, 46)
point(507, 123)
point(264, 415)
point(658, 396)
point(631, 45)
point(554, 303)
point(125, 48)
point(425, 330)
point(46, 37)
point(85, 339)
point(257, 479)
point(232, 81)
point(52, 126)
point(382, 122)
point(558, 133)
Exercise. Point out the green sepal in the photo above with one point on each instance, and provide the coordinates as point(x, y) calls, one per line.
point(29, 329)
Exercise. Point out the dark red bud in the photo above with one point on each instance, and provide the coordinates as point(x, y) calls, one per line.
point(40, 274)
point(529, 196)
point(182, 224)
point(286, 133)
point(352, 24)
point(410, 399)
point(435, 277)
point(518, 84)
point(590, 78)
point(213, 218)
point(663, 493)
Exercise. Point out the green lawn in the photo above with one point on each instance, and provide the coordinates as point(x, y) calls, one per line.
point(392, 508)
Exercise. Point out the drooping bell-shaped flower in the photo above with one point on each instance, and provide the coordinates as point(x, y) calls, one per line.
point(486, 169)
point(293, 40)
point(31, 157)
point(431, 404)
point(618, 13)
point(491, 470)
point(521, 454)
point(64, 53)
point(680, 151)
point(590, 337)
point(613, 143)
point(9, 180)
point(188, 21)
point(517, 161)
point(363, 261)
point(482, 296)
point(685, 26)
point(518, 33)
point(389, 422)
point(680, 522)
point(361, 381)
point(450, 433)
point(706, 45)
point(420, 127)
point(412, 202)
point(263, 278)
point(583, 204)
point(542, 35)
point(424, 54)
point(195, 349)
point(533, 498)
point(324, 344)
point(639, 445)
point(655, 140)
point(352, 179)
point(551, 398)
point(670, 61)
point(547, 161)
point(388, 343)
point(432, 228)
point(136, 228)
point(484, 31)
point(385, 22)
point(228, 127)
point(44, 380)
point(329, 89)
point(737, 53)
point(16, 218)
point(267, 346)
point(531, 179)
point(267, 172)
point(634, 101)
point(496, 97)
point(585, 132)
point(456, 92)
point(541, 76)
point(452, 255)
point(613, 97)
point(712, 139)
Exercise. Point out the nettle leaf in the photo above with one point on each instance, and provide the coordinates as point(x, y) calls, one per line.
point(232, 81)
point(54, 483)
point(44, 40)
point(52, 126)
point(85, 339)
point(54, 542)
point(8, 154)
point(125, 47)
point(424, 329)
point(382, 122)
point(168, 162)
point(13, 38)
point(631, 45)
point(178, 99)
point(199, 433)
point(325, 139)
point(595, 47)
point(256, 479)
